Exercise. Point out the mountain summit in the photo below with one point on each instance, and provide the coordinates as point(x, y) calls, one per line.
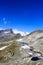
point(6, 34)
point(7, 31)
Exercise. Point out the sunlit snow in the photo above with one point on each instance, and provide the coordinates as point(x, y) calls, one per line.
point(2, 48)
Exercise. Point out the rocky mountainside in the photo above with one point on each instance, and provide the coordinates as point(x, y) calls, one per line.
point(6, 31)
point(23, 51)
point(33, 36)
point(6, 34)
point(35, 39)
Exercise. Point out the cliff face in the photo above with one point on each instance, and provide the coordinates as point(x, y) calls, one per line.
point(5, 34)
point(6, 31)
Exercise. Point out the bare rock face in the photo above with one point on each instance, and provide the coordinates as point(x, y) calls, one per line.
point(6, 31)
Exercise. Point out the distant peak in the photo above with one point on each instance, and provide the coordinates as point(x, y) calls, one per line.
point(6, 31)
point(20, 32)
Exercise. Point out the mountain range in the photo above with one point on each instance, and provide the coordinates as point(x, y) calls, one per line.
point(10, 34)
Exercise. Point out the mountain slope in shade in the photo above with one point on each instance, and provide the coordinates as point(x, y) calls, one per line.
point(6, 34)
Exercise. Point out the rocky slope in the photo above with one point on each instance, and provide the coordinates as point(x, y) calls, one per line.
point(33, 36)
point(35, 39)
point(26, 51)
point(5, 34)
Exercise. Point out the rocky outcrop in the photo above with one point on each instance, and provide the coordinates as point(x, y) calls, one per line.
point(6, 34)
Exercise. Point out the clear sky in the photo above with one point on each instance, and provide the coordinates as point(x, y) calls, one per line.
point(25, 15)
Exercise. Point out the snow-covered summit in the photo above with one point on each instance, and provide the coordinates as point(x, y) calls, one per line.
point(21, 32)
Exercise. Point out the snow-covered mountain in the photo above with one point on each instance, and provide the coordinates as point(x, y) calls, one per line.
point(20, 32)
point(15, 31)
point(11, 34)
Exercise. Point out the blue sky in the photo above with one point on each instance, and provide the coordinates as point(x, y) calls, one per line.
point(24, 15)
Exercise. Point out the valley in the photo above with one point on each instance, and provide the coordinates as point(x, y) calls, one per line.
point(27, 50)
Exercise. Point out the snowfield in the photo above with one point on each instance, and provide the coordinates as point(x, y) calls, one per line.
point(25, 47)
point(15, 31)
point(19, 40)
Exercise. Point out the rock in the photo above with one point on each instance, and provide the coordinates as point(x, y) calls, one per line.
point(35, 59)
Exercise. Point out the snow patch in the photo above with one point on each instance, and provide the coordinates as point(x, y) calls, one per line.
point(30, 53)
point(7, 32)
point(19, 40)
point(25, 47)
point(2, 48)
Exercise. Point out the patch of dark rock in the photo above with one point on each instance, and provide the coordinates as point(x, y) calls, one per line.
point(31, 48)
point(23, 43)
point(12, 53)
point(35, 58)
